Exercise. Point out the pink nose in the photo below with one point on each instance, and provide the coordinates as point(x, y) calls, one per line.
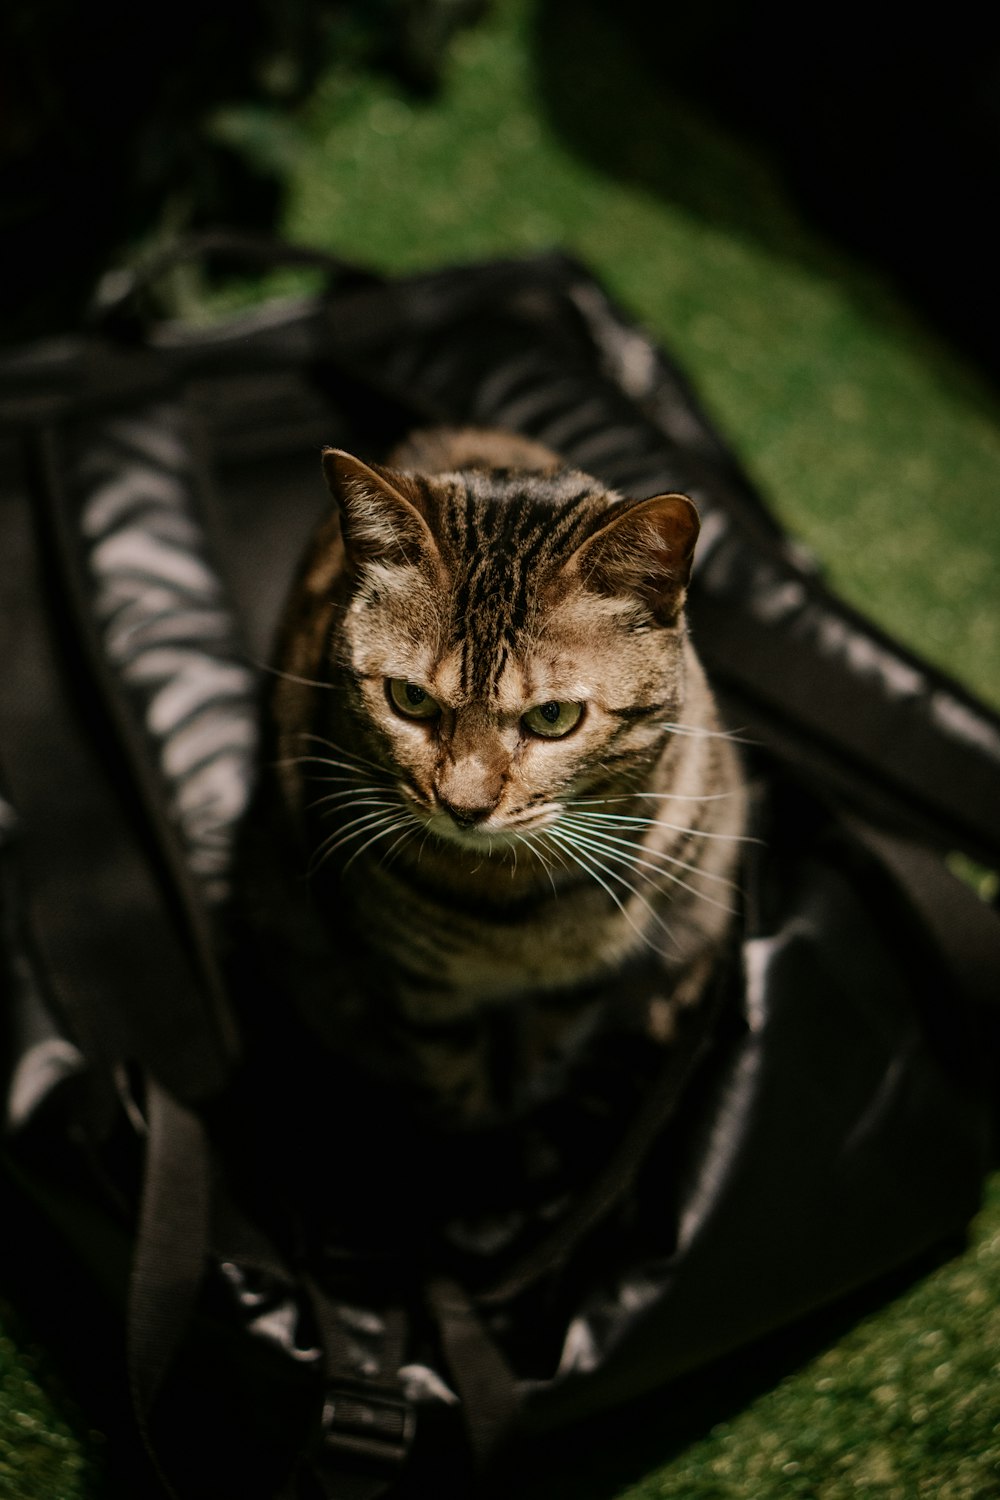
point(465, 817)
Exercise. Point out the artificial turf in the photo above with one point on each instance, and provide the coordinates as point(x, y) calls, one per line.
point(874, 443)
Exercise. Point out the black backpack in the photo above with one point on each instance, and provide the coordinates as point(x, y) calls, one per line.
point(250, 1287)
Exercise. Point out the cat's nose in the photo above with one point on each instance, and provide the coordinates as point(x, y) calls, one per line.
point(464, 816)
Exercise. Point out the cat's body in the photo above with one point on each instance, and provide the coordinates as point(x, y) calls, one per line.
point(502, 760)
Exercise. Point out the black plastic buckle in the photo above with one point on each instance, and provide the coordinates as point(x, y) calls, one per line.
point(367, 1423)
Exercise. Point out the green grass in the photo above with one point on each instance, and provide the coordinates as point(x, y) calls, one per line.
point(46, 1451)
point(905, 1406)
point(874, 444)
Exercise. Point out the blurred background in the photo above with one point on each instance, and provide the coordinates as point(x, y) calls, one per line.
point(799, 206)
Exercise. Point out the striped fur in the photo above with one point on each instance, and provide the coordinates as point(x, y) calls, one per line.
point(473, 865)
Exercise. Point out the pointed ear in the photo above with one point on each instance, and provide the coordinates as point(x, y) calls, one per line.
point(645, 549)
point(380, 518)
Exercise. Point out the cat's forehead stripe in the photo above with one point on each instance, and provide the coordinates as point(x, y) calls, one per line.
point(502, 532)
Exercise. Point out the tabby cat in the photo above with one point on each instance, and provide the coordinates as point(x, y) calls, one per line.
point(502, 762)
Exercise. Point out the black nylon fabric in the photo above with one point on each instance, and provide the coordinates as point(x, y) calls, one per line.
point(836, 1135)
point(840, 1115)
point(93, 898)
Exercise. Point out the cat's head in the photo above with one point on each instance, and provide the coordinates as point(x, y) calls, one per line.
point(506, 640)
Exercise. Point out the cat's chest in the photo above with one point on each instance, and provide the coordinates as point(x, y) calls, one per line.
point(437, 959)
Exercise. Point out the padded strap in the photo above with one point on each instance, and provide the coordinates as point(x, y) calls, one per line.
point(171, 1251)
point(113, 958)
point(113, 925)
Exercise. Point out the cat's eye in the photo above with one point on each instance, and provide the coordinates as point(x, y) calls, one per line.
point(552, 720)
point(411, 700)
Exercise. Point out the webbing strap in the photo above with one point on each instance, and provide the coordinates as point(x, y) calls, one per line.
point(367, 1424)
point(485, 1382)
point(170, 1252)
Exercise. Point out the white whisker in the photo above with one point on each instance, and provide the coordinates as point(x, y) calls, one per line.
point(350, 755)
point(352, 791)
point(382, 833)
point(550, 839)
point(389, 804)
point(699, 732)
point(601, 844)
point(702, 833)
point(328, 761)
point(627, 843)
point(530, 844)
point(351, 798)
point(263, 666)
point(412, 828)
point(573, 849)
point(659, 796)
point(356, 828)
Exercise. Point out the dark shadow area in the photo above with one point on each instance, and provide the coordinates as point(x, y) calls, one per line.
point(103, 131)
point(884, 132)
point(105, 123)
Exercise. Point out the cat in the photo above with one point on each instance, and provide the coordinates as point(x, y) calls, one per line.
point(502, 762)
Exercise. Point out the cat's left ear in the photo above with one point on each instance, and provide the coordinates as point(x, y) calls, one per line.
point(644, 548)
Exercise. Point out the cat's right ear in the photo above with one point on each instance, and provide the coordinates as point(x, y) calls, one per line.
point(380, 519)
point(644, 548)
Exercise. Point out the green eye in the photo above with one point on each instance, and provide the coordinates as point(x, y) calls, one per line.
point(553, 720)
point(410, 700)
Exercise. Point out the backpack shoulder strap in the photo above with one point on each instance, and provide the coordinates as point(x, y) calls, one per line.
point(121, 926)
